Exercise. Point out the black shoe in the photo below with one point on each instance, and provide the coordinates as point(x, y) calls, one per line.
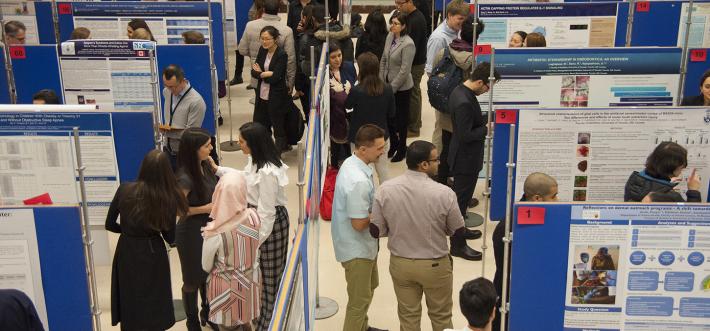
point(390, 153)
point(250, 87)
point(369, 328)
point(220, 121)
point(473, 203)
point(189, 303)
point(466, 253)
point(472, 234)
point(236, 80)
point(399, 156)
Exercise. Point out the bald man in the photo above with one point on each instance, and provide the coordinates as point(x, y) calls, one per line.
point(538, 187)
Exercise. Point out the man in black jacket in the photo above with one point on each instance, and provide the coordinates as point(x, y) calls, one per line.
point(466, 149)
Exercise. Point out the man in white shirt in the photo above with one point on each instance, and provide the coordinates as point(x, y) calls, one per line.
point(477, 300)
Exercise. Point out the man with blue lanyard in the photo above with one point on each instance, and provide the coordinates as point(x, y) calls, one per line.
point(183, 108)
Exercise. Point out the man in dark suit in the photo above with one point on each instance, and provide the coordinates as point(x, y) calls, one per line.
point(466, 149)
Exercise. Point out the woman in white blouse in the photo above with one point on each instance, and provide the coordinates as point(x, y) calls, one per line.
point(266, 179)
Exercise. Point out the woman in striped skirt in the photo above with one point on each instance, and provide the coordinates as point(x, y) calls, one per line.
point(266, 179)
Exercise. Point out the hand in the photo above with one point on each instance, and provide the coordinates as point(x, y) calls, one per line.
point(256, 67)
point(266, 74)
point(335, 86)
point(213, 165)
point(694, 181)
point(347, 87)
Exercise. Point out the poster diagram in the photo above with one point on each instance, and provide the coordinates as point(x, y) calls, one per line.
point(592, 152)
point(638, 268)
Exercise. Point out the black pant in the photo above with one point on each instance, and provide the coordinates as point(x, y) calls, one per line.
point(338, 153)
point(303, 84)
point(398, 127)
point(444, 171)
point(270, 117)
point(239, 65)
point(464, 184)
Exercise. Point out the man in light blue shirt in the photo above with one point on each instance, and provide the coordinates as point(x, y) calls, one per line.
point(446, 32)
point(355, 249)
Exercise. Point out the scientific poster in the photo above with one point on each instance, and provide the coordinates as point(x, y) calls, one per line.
point(563, 25)
point(699, 35)
point(638, 268)
point(37, 156)
point(112, 74)
point(167, 22)
point(24, 12)
point(19, 258)
point(592, 152)
point(601, 77)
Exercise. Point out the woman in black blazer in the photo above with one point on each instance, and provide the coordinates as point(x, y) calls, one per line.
point(272, 99)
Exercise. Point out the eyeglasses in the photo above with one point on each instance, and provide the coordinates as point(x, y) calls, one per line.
point(434, 160)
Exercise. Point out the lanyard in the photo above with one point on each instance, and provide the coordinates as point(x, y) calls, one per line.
point(172, 110)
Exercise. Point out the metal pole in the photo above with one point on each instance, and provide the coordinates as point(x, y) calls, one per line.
point(486, 182)
point(231, 145)
point(313, 77)
point(433, 16)
point(11, 87)
point(86, 236)
point(508, 235)
point(157, 114)
point(213, 74)
point(684, 55)
point(300, 183)
point(55, 21)
point(475, 36)
point(630, 22)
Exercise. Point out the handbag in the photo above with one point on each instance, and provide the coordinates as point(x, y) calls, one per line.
point(295, 124)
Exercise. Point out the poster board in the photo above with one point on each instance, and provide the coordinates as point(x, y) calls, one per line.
point(563, 24)
point(35, 15)
point(654, 277)
point(38, 244)
point(35, 67)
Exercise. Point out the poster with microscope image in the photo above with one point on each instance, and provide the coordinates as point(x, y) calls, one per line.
point(591, 152)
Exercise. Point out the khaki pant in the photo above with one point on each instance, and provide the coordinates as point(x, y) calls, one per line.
point(433, 278)
point(362, 279)
point(415, 100)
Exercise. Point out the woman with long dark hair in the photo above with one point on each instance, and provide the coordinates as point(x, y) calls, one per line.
point(266, 180)
point(272, 94)
point(373, 38)
point(396, 69)
point(141, 298)
point(342, 79)
point(136, 24)
point(197, 182)
point(372, 101)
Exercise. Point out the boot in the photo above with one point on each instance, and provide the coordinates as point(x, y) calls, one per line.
point(205, 311)
point(239, 66)
point(189, 302)
point(282, 145)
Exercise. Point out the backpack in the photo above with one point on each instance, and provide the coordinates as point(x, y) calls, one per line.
point(444, 78)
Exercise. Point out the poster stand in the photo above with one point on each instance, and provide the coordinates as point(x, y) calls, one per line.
point(487, 180)
point(55, 20)
point(213, 74)
point(684, 56)
point(230, 145)
point(8, 65)
point(507, 238)
point(86, 236)
point(325, 307)
point(630, 22)
point(157, 114)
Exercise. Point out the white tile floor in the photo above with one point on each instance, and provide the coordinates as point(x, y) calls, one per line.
point(383, 311)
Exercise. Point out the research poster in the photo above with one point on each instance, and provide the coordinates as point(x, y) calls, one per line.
point(37, 156)
point(699, 36)
point(111, 74)
point(167, 22)
point(638, 268)
point(19, 257)
point(592, 152)
point(563, 24)
point(23, 12)
point(611, 77)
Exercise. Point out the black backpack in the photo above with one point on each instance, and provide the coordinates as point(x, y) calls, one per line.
point(444, 78)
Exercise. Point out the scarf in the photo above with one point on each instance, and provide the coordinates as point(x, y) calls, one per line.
point(229, 208)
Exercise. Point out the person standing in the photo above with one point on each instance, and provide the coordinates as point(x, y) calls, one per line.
point(15, 33)
point(466, 150)
point(342, 79)
point(354, 247)
point(418, 214)
point(373, 38)
point(266, 182)
point(148, 208)
point(372, 102)
point(272, 92)
point(477, 300)
point(417, 27)
point(252, 43)
point(230, 256)
point(183, 108)
point(395, 69)
point(197, 182)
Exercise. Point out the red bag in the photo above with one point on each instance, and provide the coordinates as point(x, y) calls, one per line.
point(326, 198)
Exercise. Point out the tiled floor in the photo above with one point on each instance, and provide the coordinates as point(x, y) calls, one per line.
point(383, 311)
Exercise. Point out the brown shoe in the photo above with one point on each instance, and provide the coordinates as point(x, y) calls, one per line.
point(412, 134)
